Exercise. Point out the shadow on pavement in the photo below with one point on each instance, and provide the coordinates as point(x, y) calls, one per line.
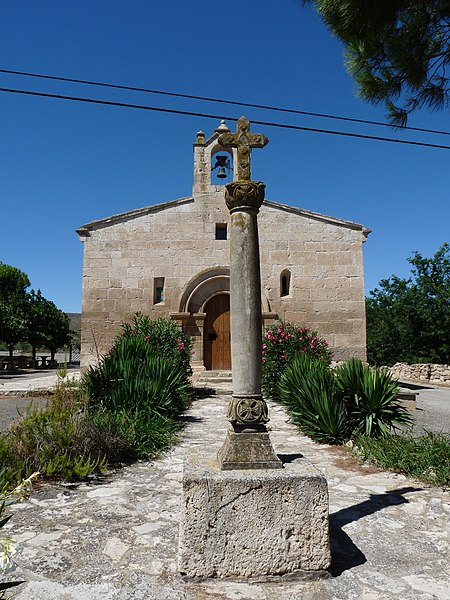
point(344, 553)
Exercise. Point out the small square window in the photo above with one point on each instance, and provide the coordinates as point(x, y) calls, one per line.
point(221, 231)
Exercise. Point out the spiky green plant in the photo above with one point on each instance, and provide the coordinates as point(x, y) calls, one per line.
point(308, 390)
point(370, 396)
point(132, 379)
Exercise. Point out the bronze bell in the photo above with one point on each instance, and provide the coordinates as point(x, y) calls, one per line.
point(222, 163)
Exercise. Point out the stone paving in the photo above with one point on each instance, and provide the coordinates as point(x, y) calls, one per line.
point(117, 539)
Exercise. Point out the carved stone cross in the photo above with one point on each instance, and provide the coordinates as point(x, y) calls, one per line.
point(244, 141)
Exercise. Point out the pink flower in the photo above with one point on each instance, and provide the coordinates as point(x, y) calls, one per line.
point(147, 338)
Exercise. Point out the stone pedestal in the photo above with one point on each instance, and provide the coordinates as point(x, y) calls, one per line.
point(253, 522)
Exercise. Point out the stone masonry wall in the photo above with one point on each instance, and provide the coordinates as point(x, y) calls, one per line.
point(427, 372)
point(123, 255)
point(327, 276)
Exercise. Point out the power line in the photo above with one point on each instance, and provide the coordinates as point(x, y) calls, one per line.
point(217, 117)
point(219, 100)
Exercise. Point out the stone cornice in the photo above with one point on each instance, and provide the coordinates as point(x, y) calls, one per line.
point(132, 214)
point(317, 216)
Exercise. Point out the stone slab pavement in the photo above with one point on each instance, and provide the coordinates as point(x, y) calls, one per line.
point(30, 381)
point(117, 538)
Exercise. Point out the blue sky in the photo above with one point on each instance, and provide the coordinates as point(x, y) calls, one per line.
point(63, 164)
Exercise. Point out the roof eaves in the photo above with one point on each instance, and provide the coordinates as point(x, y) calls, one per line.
point(317, 216)
point(131, 214)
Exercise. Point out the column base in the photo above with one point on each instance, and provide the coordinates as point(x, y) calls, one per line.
point(247, 450)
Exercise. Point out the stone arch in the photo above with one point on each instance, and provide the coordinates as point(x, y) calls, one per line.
point(192, 304)
point(218, 149)
point(203, 286)
point(207, 284)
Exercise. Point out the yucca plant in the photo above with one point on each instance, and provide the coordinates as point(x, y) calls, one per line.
point(139, 388)
point(308, 390)
point(370, 396)
point(131, 378)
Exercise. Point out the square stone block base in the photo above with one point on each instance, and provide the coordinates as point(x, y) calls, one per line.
point(254, 522)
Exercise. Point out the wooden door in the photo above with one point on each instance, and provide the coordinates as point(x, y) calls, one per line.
point(217, 346)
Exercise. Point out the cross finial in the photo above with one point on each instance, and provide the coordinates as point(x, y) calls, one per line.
point(244, 141)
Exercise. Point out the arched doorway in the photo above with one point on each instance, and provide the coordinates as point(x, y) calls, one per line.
point(217, 345)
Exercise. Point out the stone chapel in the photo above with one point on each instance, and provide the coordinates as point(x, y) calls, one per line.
point(172, 259)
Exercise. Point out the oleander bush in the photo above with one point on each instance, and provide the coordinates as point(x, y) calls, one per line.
point(282, 343)
point(163, 338)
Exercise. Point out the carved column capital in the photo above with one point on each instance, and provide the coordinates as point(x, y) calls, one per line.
point(244, 194)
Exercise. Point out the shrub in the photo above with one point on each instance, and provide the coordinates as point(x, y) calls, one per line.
point(282, 342)
point(163, 338)
point(139, 388)
point(370, 395)
point(308, 390)
point(132, 379)
point(334, 408)
point(52, 440)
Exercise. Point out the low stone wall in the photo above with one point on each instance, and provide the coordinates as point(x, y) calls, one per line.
point(427, 372)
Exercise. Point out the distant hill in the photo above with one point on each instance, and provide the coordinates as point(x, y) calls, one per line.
point(75, 322)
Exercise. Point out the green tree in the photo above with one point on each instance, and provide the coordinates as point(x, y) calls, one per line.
point(58, 332)
point(13, 305)
point(409, 319)
point(397, 51)
point(47, 326)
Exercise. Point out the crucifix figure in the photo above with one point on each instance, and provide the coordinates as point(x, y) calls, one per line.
point(244, 141)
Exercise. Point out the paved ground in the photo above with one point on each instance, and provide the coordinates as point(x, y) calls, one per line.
point(14, 390)
point(117, 539)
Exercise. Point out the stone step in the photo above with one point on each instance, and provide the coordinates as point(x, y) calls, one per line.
point(209, 374)
point(214, 380)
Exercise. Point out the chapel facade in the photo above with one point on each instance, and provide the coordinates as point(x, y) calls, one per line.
point(172, 259)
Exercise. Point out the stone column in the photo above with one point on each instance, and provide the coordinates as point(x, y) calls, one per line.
point(247, 445)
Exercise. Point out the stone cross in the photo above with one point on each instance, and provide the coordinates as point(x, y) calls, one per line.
point(243, 141)
point(247, 445)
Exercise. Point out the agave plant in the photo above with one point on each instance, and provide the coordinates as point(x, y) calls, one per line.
point(308, 390)
point(370, 396)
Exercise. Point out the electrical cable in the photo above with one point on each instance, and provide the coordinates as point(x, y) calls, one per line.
point(218, 100)
point(218, 117)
